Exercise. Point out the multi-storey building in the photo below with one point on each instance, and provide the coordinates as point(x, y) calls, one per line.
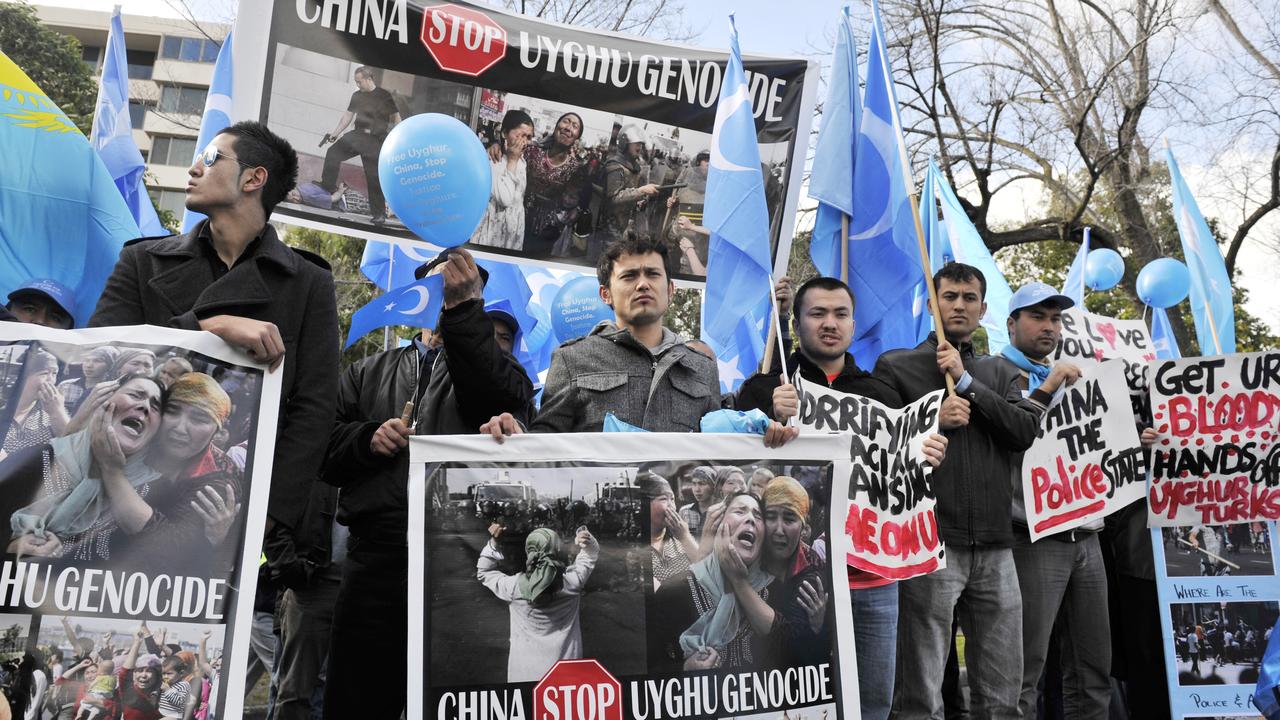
point(170, 67)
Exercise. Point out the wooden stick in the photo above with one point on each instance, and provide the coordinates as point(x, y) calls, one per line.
point(928, 283)
point(844, 248)
point(1219, 558)
point(775, 328)
point(767, 362)
point(406, 415)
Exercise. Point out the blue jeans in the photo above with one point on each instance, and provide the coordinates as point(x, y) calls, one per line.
point(982, 584)
point(875, 637)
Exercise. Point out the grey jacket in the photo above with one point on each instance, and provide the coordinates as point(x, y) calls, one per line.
point(608, 370)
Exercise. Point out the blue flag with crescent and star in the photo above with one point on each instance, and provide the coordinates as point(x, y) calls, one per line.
point(112, 133)
point(884, 259)
point(736, 305)
point(831, 180)
point(1212, 306)
point(1073, 286)
point(217, 114)
point(61, 216)
point(415, 305)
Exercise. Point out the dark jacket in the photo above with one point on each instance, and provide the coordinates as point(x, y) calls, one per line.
point(455, 391)
point(170, 282)
point(972, 484)
point(756, 392)
point(609, 370)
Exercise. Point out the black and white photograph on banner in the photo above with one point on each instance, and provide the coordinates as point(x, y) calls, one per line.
point(591, 136)
point(126, 495)
point(663, 572)
point(1221, 643)
point(1209, 550)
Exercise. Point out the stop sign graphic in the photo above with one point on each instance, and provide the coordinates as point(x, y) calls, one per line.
point(462, 40)
point(577, 690)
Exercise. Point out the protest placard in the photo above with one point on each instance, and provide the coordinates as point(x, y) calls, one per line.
point(1217, 459)
point(134, 476)
point(1086, 462)
point(1088, 339)
point(553, 576)
point(483, 66)
point(891, 522)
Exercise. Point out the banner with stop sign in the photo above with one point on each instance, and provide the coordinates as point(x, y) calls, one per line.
point(599, 577)
point(553, 103)
point(1216, 459)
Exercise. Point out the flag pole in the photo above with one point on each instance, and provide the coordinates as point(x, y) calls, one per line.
point(928, 282)
point(391, 273)
point(775, 329)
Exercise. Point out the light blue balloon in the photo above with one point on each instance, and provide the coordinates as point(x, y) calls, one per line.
point(1163, 283)
point(578, 308)
point(1103, 269)
point(435, 174)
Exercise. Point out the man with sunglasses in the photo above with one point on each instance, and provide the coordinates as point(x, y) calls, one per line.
point(232, 276)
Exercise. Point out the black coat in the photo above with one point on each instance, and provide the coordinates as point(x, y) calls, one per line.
point(972, 484)
point(756, 392)
point(455, 392)
point(170, 282)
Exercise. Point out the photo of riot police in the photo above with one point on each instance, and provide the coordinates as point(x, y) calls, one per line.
point(567, 179)
point(128, 455)
point(1242, 549)
point(750, 591)
point(1221, 643)
point(545, 564)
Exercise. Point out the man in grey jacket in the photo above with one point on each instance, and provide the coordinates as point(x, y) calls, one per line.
point(1061, 576)
point(636, 368)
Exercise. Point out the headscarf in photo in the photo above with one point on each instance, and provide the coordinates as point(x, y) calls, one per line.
point(543, 566)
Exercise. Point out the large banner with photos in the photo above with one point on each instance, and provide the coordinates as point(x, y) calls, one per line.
point(337, 76)
point(629, 575)
point(134, 476)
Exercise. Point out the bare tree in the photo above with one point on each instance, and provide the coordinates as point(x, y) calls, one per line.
point(660, 19)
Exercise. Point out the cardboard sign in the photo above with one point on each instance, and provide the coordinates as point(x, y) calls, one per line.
point(549, 578)
point(1088, 339)
point(1087, 461)
point(1217, 459)
point(891, 521)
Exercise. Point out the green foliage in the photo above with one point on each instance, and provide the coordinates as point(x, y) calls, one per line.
point(354, 291)
point(684, 315)
point(53, 61)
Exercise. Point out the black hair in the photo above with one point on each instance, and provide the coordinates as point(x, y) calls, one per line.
point(630, 246)
point(366, 71)
point(256, 146)
point(151, 378)
point(514, 119)
point(701, 157)
point(821, 282)
point(550, 140)
point(960, 273)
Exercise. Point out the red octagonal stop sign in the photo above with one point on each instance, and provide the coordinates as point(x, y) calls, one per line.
point(462, 40)
point(577, 690)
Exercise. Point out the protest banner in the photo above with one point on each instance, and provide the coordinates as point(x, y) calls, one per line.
point(891, 523)
point(1087, 461)
point(133, 514)
point(1217, 459)
point(1088, 339)
point(552, 577)
point(483, 65)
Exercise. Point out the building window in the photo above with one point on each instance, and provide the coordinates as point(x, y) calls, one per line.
point(177, 151)
point(182, 100)
point(91, 55)
point(175, 201)
point(140, 63)
point(137, 113)
point(188, 49)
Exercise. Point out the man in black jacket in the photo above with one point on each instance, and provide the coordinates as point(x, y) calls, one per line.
point(462, 378)
point(824, 325)
point(987, 426)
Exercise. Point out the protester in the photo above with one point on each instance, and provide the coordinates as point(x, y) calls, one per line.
point(694, 620)
point(503, 223)
point(139, 681)
point(1061, 577)
point(824, 325)
point(702, 484)
point(95, 367)
point(43, 302)
point(233, 277)
point(986, 422)
point(671, 544)
point(133, 361)
point(730, 480)
point(39, 412)
point(544, 601)
point(462, 379)
point(374, 111)
point(557, 184)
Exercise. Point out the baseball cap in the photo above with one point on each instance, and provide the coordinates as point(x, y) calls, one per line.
point(501, 315)
point(1037, 293)
point(60, 294)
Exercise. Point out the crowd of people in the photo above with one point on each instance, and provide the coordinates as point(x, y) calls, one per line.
point(738, 592)
point(96, 679)
point(1206, 635)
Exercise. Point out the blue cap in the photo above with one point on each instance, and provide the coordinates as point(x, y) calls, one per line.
point(52, 289)
point(1038, 293)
